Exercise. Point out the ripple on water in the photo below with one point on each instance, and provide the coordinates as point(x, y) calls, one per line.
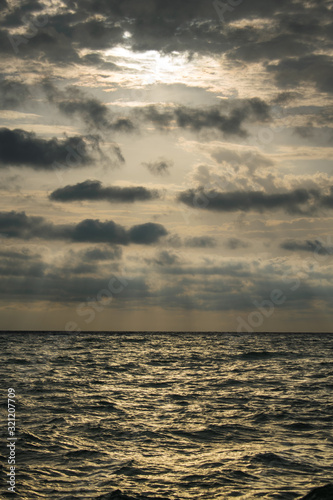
point(207, 417)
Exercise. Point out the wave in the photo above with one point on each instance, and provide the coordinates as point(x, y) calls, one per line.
point(204, 417)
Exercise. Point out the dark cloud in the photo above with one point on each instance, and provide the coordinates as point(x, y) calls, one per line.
point(174, 241)
point(42, 44)
point(238, 269)
point(94, 59)
point(24, 254)
point(18, 15)
point(200, 242)
point(235, 244)
point(93, 260)
point(327, 200)
point(101, 254)
point(190, 27)
point(82, 268)
point(299, 201)
point(195, 119)
point(285, 97)
point(3, 4)
point(314, 246)
point(159, 167)
point(146, 234)
point(13, 93)
point(281, 46)
point(148, 12)
point(164, 258)
point(96, 115)
point(315, 69)
point(97, 34)
point(21, 263)
point(19, 225)
point(94, 191)
point(15, 267)
point(73, 288)
point(304, 132)
point(21, 148)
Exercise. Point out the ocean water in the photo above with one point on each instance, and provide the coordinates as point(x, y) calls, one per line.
point(182, 415)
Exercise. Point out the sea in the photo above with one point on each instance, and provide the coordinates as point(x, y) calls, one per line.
point(167, 415)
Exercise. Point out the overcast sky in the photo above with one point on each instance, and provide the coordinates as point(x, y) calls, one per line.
point(166, 165)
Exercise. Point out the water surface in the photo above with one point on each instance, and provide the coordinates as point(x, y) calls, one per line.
point(189, 416)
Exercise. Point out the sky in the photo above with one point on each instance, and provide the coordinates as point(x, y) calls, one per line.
point(166, 165)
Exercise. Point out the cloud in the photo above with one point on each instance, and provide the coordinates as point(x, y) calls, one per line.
point(233, 269)
point(164, 258)
point(327, 200)
point(235, 244)
point(3, 4)
point(285, 97)
point(196, 119)
point(97, 34)
point(200, 242)
point(250, 157)
point(94, 59)
point(101, 254)
point(278, 47)
point(96, 115)
point(146, 234)
point(21, 263)
point(94, 191)
point(304, 132)
point(21, 148)
point(23, 254)
point(159, 167)
point(93, 260)
point(73, 288)
point(190, 27)
point(315, 69)
point(299, 201)
point(10, 267)
point(314, 246)
point(13, 93)
point(19, 225)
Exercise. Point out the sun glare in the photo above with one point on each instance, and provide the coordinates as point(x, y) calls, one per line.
point(150, 66)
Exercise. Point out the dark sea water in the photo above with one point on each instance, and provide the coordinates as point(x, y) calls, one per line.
point(188, 416)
